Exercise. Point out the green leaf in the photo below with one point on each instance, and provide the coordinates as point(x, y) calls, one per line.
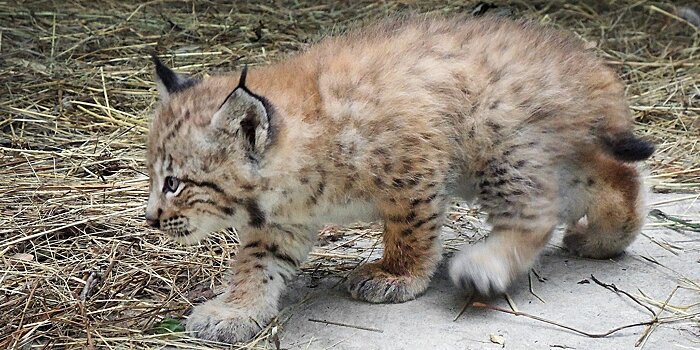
point(169, 325)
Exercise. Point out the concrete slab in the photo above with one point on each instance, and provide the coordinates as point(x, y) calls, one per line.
point(654, 266)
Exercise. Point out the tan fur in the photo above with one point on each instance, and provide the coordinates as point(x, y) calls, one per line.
point(385, 124)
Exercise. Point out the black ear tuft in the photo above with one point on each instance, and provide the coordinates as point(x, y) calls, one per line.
point(244, 74)
point(246, 115)
point(168, 81)
point(166, 76)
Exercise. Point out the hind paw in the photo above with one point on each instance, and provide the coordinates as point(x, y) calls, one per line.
point(477, 269)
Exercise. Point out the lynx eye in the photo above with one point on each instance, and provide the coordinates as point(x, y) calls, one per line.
point(171, 184)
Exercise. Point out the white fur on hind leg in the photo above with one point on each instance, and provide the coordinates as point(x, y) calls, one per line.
point(486, 267)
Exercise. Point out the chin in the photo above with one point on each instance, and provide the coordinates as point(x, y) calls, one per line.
point(192, 238)
point(199, 229)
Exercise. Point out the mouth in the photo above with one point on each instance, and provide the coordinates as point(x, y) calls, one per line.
point(180, 233)
point(185, 236)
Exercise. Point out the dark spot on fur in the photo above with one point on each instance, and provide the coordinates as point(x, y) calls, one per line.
point(494, 126)
point(286, 258)
point(420, 223)
point(380, 152)
point(227, 210)
point(247, 187)
point(398, 183)
point(256, 217)
point(406, 232)
point(252, 244)
point(259, 266)
point(499, 171)
point(260, 255)
point(272, 248)
point(590, 182)
point(321, 188)
point(428, 199)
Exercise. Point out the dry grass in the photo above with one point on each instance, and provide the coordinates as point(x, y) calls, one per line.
point(79, 267)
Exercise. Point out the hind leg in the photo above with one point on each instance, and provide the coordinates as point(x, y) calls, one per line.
point(523, 211)
point(614, 210)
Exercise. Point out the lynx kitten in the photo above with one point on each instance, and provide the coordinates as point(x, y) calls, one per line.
point(386, 123)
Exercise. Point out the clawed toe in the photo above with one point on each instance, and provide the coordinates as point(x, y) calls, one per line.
point(224, 322)
point(373, 284)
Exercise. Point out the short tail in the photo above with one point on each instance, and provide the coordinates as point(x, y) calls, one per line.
point(628, 148)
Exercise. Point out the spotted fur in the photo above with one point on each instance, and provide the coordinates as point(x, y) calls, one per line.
point(387, 123)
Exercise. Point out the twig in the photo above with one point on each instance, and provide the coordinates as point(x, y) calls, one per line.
point(529, 280)
point(347, 325)
point(614, 288)
point(24, 313)
point(90, 342)
point(464, 308)
point(590, 335)
point(511, 302)
point(539, 278)
point(647, 331)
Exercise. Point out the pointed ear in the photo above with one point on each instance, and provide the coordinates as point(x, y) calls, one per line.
point(169, 82)
point(246, 116)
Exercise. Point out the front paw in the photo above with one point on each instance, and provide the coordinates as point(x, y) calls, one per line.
point(370, 282)
point(225, 321)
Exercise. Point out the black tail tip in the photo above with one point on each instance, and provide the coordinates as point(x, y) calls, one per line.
point(629, 148)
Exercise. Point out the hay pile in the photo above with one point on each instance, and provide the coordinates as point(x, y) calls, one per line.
point(79, 267)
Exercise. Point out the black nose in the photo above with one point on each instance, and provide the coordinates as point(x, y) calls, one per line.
point(153, 222)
